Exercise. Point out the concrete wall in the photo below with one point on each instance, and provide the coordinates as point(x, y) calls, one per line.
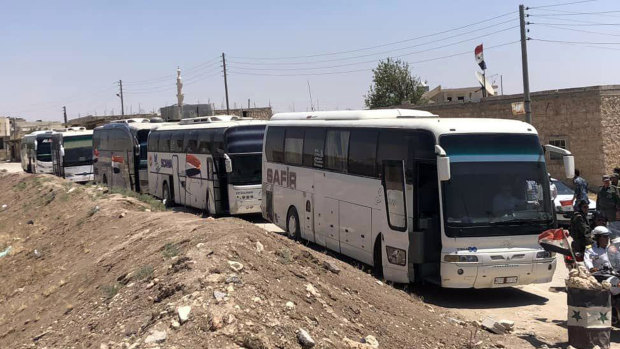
point(256, 113)
point(587, 118)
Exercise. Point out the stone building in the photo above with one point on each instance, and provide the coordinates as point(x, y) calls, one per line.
point(13, 129)
point(171, 113)
point(256, 113)
point(585, 120)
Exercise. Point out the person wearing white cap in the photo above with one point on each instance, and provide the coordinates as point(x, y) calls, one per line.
point(595, 257)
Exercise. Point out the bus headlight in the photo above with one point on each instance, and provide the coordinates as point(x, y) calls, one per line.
point(452, 258)
point(396, 255)
point(543, 254)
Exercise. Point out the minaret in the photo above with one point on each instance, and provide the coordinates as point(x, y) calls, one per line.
point(179, 93)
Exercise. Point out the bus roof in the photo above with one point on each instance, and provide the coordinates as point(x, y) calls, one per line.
point(132, 125)
point(439, 126)
point(355, 114)
point(211, 124)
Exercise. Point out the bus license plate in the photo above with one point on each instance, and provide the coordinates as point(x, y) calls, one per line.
point(505, 280)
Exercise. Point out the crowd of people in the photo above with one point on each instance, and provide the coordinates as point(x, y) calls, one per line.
point(591, 237)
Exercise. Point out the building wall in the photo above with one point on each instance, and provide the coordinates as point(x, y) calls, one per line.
point(255, 113)
point(587, 118)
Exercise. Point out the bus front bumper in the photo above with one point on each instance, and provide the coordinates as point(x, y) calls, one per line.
point(245, 199)
point(474, 275)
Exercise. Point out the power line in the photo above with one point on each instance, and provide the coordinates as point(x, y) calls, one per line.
point(561, 4)
point(578, 42)
point(591, 24)
point(388, 51)
point(573, 14)
point(578, 30)
point(375, 60)
point(370, 69)
point(378, 46)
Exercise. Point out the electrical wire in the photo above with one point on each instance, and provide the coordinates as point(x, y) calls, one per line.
point(370, 69)
point(579, 30)
point(378, 46)
point(561, 4)
point(577, 42)
point(384, 52)
point(592, 24)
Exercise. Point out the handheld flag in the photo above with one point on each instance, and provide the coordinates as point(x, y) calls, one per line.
point(554, 240)
point(480, 57)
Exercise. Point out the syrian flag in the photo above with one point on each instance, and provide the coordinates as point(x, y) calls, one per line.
point(554, 240)
point(480, 57)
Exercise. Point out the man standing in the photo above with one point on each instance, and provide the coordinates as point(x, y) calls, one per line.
point(607, 199)
point(580, 229)
point(581, 190)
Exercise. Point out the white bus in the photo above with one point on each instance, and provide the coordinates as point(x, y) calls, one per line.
point(72, 154)
point(119, 153)
point(210, 163)
point(458, 202)
point(36, 152)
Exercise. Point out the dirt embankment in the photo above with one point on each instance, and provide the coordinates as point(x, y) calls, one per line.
point(88, 269)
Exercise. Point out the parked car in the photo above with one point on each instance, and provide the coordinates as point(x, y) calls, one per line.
point(563, 203)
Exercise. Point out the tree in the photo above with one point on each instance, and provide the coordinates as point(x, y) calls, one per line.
point(393, 84)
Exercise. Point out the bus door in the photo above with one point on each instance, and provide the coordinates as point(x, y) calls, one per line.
point(395, 233)
point(194, 182)
point(425, 246)
point(57, 156)
point(179, 178)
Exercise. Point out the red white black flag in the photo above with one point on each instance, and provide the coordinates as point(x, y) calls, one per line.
point(480, 57)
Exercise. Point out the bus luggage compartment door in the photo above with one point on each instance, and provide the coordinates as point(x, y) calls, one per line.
point(330, 210)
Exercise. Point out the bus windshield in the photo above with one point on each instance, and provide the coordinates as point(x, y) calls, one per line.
point(78, 150)
point(496, 180)
point(246, 169)
point(44, 149)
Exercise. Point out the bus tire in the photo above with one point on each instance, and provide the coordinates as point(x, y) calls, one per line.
point(292, 224)
point(168, 201)
point(377, 259)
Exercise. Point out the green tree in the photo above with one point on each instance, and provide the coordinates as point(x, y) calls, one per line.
point(393, 84)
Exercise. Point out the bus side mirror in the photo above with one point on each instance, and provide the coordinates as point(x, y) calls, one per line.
point(36, 145)
point(62, 151)
point(228, 163)
point(443, 164)
point(569, 166)
point(567, 156)
point(443, 168)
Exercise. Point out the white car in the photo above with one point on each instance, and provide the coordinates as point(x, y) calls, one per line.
point(563, 202)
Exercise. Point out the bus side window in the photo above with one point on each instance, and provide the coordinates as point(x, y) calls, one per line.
point(363, 152)
point(336, 150)
point(394, 185)
point(153, 142)
point(176, 141)
point(293, 146)
point(314, 145)
point(274, 146)
point(164, 142)
point(191, 142)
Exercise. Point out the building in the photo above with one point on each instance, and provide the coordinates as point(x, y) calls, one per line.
point(445, 95)
point(584, 120)
point(171, 113)
point(256, 113)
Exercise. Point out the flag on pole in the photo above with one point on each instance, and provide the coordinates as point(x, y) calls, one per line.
point(480, 57)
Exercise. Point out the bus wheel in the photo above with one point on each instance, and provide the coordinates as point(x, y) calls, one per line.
point(377, 267)
point(292, 224)
point(168, 202)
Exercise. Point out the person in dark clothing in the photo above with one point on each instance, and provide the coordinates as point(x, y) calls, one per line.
point(581, 190)
point(607, 199)
point(580, 229)
point(598, 219)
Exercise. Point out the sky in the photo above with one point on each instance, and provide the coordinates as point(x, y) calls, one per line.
point(73, 53)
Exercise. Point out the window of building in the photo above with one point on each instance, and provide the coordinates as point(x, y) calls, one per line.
point(314, 144)
point(274, 144)
point(558, 142)
point(336, 150)
point(363, 152)
point(293, 146)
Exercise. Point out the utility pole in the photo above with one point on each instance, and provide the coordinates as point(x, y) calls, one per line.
point(120, 85)
point(64, 111)
point(526, 78)
point(225, 82)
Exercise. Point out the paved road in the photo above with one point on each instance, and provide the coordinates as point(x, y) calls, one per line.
point(10, 167)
